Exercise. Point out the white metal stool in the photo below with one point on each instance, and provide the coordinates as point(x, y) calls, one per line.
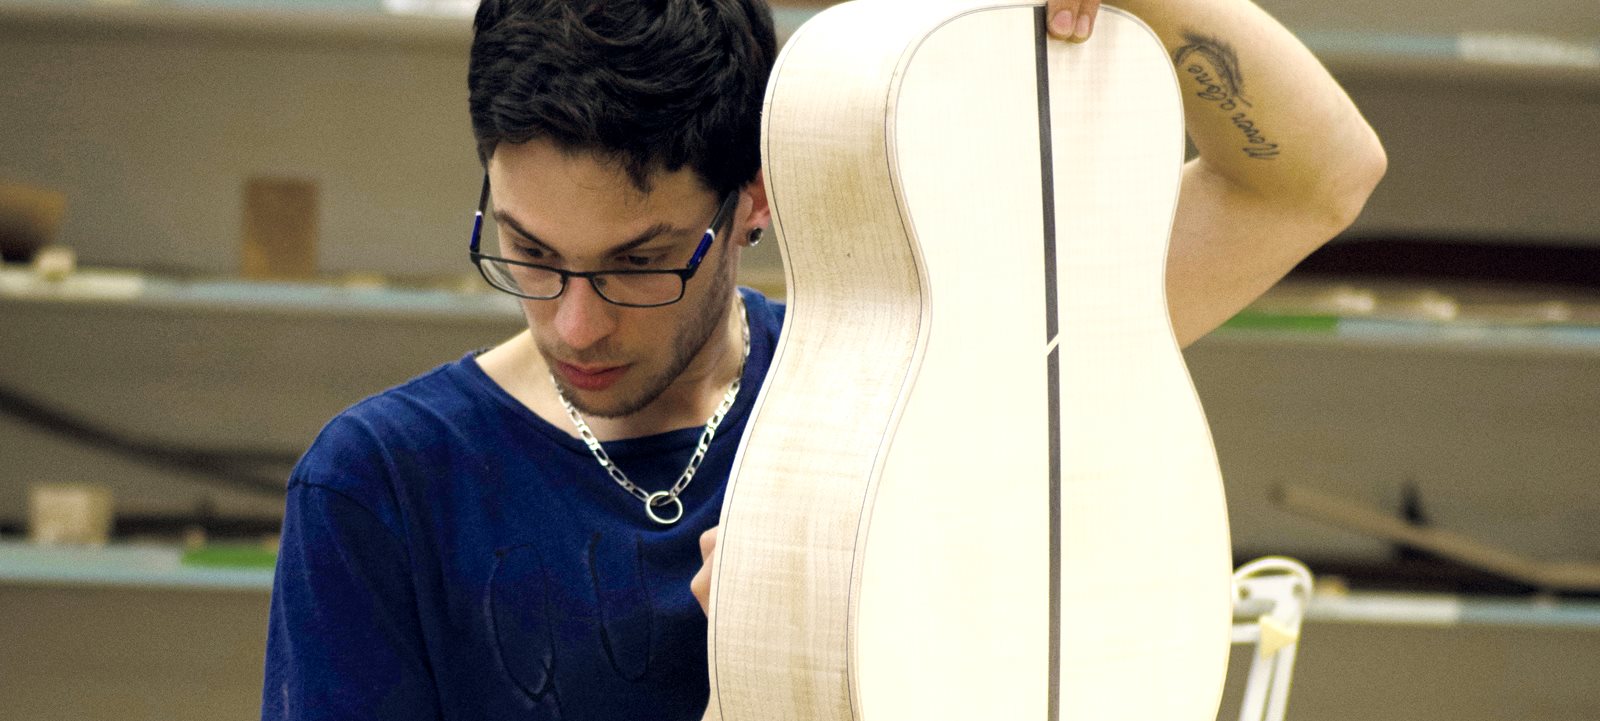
point(1270, 596)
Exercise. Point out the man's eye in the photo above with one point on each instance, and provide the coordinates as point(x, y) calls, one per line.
point(530, 252)
point(640, 261)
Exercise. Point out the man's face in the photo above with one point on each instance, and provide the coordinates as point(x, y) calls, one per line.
point(579, 212)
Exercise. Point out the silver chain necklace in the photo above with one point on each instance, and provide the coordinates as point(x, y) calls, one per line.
point(668, 497)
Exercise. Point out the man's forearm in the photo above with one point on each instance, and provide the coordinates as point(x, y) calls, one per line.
point(1262, 110)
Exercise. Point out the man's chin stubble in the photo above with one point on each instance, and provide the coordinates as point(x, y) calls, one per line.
point(624, 407)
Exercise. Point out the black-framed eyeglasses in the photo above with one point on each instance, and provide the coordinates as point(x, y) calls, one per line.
point(631, 288)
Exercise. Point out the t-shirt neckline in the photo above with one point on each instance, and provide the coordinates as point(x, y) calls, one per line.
point(754, 373)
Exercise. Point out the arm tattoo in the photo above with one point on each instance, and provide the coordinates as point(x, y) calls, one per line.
point(1213, 66)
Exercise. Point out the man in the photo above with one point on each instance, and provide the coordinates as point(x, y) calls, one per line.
point(513, 535)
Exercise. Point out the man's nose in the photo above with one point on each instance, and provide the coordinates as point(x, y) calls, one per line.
point(583, 318)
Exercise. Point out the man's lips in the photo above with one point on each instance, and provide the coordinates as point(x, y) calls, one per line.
point(590, 378)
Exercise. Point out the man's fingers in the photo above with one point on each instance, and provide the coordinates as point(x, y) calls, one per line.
point(1062, 15)
point(708, 543)
point(700, 585)
point(1086, 18)
point(1072, 19)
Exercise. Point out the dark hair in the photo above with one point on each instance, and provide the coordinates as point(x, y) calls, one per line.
point(652, 84)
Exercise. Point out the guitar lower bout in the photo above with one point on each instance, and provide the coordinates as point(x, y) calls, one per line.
point(978, 483)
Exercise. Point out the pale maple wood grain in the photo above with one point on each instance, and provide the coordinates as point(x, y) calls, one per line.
point(1147, 565)
point(885, 543)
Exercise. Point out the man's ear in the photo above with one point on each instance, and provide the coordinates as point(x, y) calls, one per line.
point(760, 215)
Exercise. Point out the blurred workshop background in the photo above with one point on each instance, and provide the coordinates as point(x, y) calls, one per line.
point(226, 220)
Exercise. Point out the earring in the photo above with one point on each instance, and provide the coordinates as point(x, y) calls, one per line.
point(755, 236)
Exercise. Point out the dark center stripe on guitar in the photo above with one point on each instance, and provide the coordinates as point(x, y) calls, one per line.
point(1048, 197)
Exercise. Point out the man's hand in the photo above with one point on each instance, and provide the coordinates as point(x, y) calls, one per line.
point(700, 586)
point(1072, 19)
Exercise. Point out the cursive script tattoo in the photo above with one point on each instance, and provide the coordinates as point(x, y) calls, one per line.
point(1214, 68)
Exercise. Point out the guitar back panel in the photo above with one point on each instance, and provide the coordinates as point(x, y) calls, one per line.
point(979, 484)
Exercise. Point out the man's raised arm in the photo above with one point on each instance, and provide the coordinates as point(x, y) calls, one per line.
point(1286, 161)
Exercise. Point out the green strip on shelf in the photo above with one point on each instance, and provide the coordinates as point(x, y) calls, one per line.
point(1308, 323)
point(231, 556)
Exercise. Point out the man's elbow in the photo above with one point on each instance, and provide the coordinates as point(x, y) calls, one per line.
point(1357, 178)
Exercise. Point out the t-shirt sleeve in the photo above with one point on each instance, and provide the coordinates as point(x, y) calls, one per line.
point(344, 640)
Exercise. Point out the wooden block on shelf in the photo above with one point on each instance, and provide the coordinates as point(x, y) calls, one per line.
point(280, 228)
point(30, 218)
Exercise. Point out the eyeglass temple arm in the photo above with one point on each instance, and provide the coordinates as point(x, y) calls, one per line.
point(477, 218)
point(728, 204)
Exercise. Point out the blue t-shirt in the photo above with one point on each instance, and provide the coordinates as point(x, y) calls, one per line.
point(448, 554)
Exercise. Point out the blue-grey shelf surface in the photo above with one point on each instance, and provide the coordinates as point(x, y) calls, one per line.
point(91, 287)
point(125, 566)
point(154, 566)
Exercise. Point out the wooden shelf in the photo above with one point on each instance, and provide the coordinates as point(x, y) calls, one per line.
point(1434, 609)
point(125, 566)
point(329, 23)
point(155, 566)
point(124, 289)
point(1508, 63)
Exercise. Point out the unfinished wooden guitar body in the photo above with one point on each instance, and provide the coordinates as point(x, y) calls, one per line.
point(979, 484)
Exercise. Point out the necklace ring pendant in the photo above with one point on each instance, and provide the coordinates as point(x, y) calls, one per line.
point(663, 498)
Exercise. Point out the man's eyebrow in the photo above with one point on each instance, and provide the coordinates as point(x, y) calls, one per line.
point(649, 234)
